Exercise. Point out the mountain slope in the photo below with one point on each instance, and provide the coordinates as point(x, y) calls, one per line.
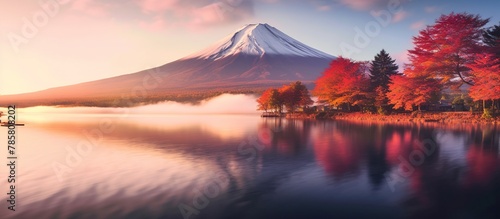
point(255, 57)
point(258, 39)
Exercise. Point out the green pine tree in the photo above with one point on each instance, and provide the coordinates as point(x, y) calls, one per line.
point(381, 70)
point(491, 38)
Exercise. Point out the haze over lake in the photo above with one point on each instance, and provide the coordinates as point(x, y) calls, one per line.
point(136, 165)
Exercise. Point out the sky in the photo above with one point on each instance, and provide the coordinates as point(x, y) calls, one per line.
point(51, 43)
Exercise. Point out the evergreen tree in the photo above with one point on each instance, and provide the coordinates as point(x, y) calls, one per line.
point(382, 68)
point(491, 38)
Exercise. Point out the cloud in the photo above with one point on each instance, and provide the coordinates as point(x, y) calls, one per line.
point(396, 17)
point(149, 6)
point(160, 14)
point(361, 5)
point(417, 25)
point(197, 13)
point(194, 14)
point(358, 4)
point(222, 12)
point(319, 5)
point(364, 4)
point(270, 1)
point(399, 16)
point(91, 7)
point(157, 23)
point(324, 8)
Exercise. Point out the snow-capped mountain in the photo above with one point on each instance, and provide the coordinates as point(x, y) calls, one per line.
point(258, 39)
point(256, 57)
point(255, 54)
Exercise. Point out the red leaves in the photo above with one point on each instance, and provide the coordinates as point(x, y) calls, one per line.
point(292, 96)
point(407, 92)
point(487, 78)
point(444, 49)
point(265, 100)
point(343, 82)
point(400, 92)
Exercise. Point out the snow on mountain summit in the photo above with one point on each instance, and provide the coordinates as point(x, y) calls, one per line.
point(258, 39)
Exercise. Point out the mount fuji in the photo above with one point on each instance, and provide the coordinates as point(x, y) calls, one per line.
point(256, 57)
point(258, 40)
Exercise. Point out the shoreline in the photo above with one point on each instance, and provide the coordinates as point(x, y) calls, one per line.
point(415, 117)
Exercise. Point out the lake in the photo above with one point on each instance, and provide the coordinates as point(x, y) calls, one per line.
point(244, 166)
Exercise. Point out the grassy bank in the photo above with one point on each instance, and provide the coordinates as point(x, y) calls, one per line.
point(439, 117)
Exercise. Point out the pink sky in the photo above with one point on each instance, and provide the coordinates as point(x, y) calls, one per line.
point(61, 42)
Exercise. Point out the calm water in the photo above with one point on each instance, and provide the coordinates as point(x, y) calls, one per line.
point(243, 166)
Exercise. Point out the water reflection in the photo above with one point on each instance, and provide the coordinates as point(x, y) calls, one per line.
point(482, 156)
point(456, 186)
point(146, 166)
point(287, 137)
point(337, 150)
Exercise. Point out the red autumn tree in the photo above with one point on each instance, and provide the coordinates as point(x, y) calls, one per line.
point(344, 82)
point(400, 92)
point(263, 101)
point(268, 100)
point(406, 92)
point(291, 96)
point(444, 50)
point(487, 78)
point(294, 95)
point(411, 89)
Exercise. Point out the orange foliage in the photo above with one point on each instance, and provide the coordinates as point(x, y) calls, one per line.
point(487, 78)
point(295, 94)
point(291, 96)
point(342, 83)
point(444, 50)
point(407, 92)
point(265, 101)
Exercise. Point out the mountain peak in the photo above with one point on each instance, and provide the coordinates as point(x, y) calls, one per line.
point(258, 25)
point(258, 39)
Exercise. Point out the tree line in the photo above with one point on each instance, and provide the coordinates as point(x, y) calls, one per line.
point(289, 96)
point(457, 54)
